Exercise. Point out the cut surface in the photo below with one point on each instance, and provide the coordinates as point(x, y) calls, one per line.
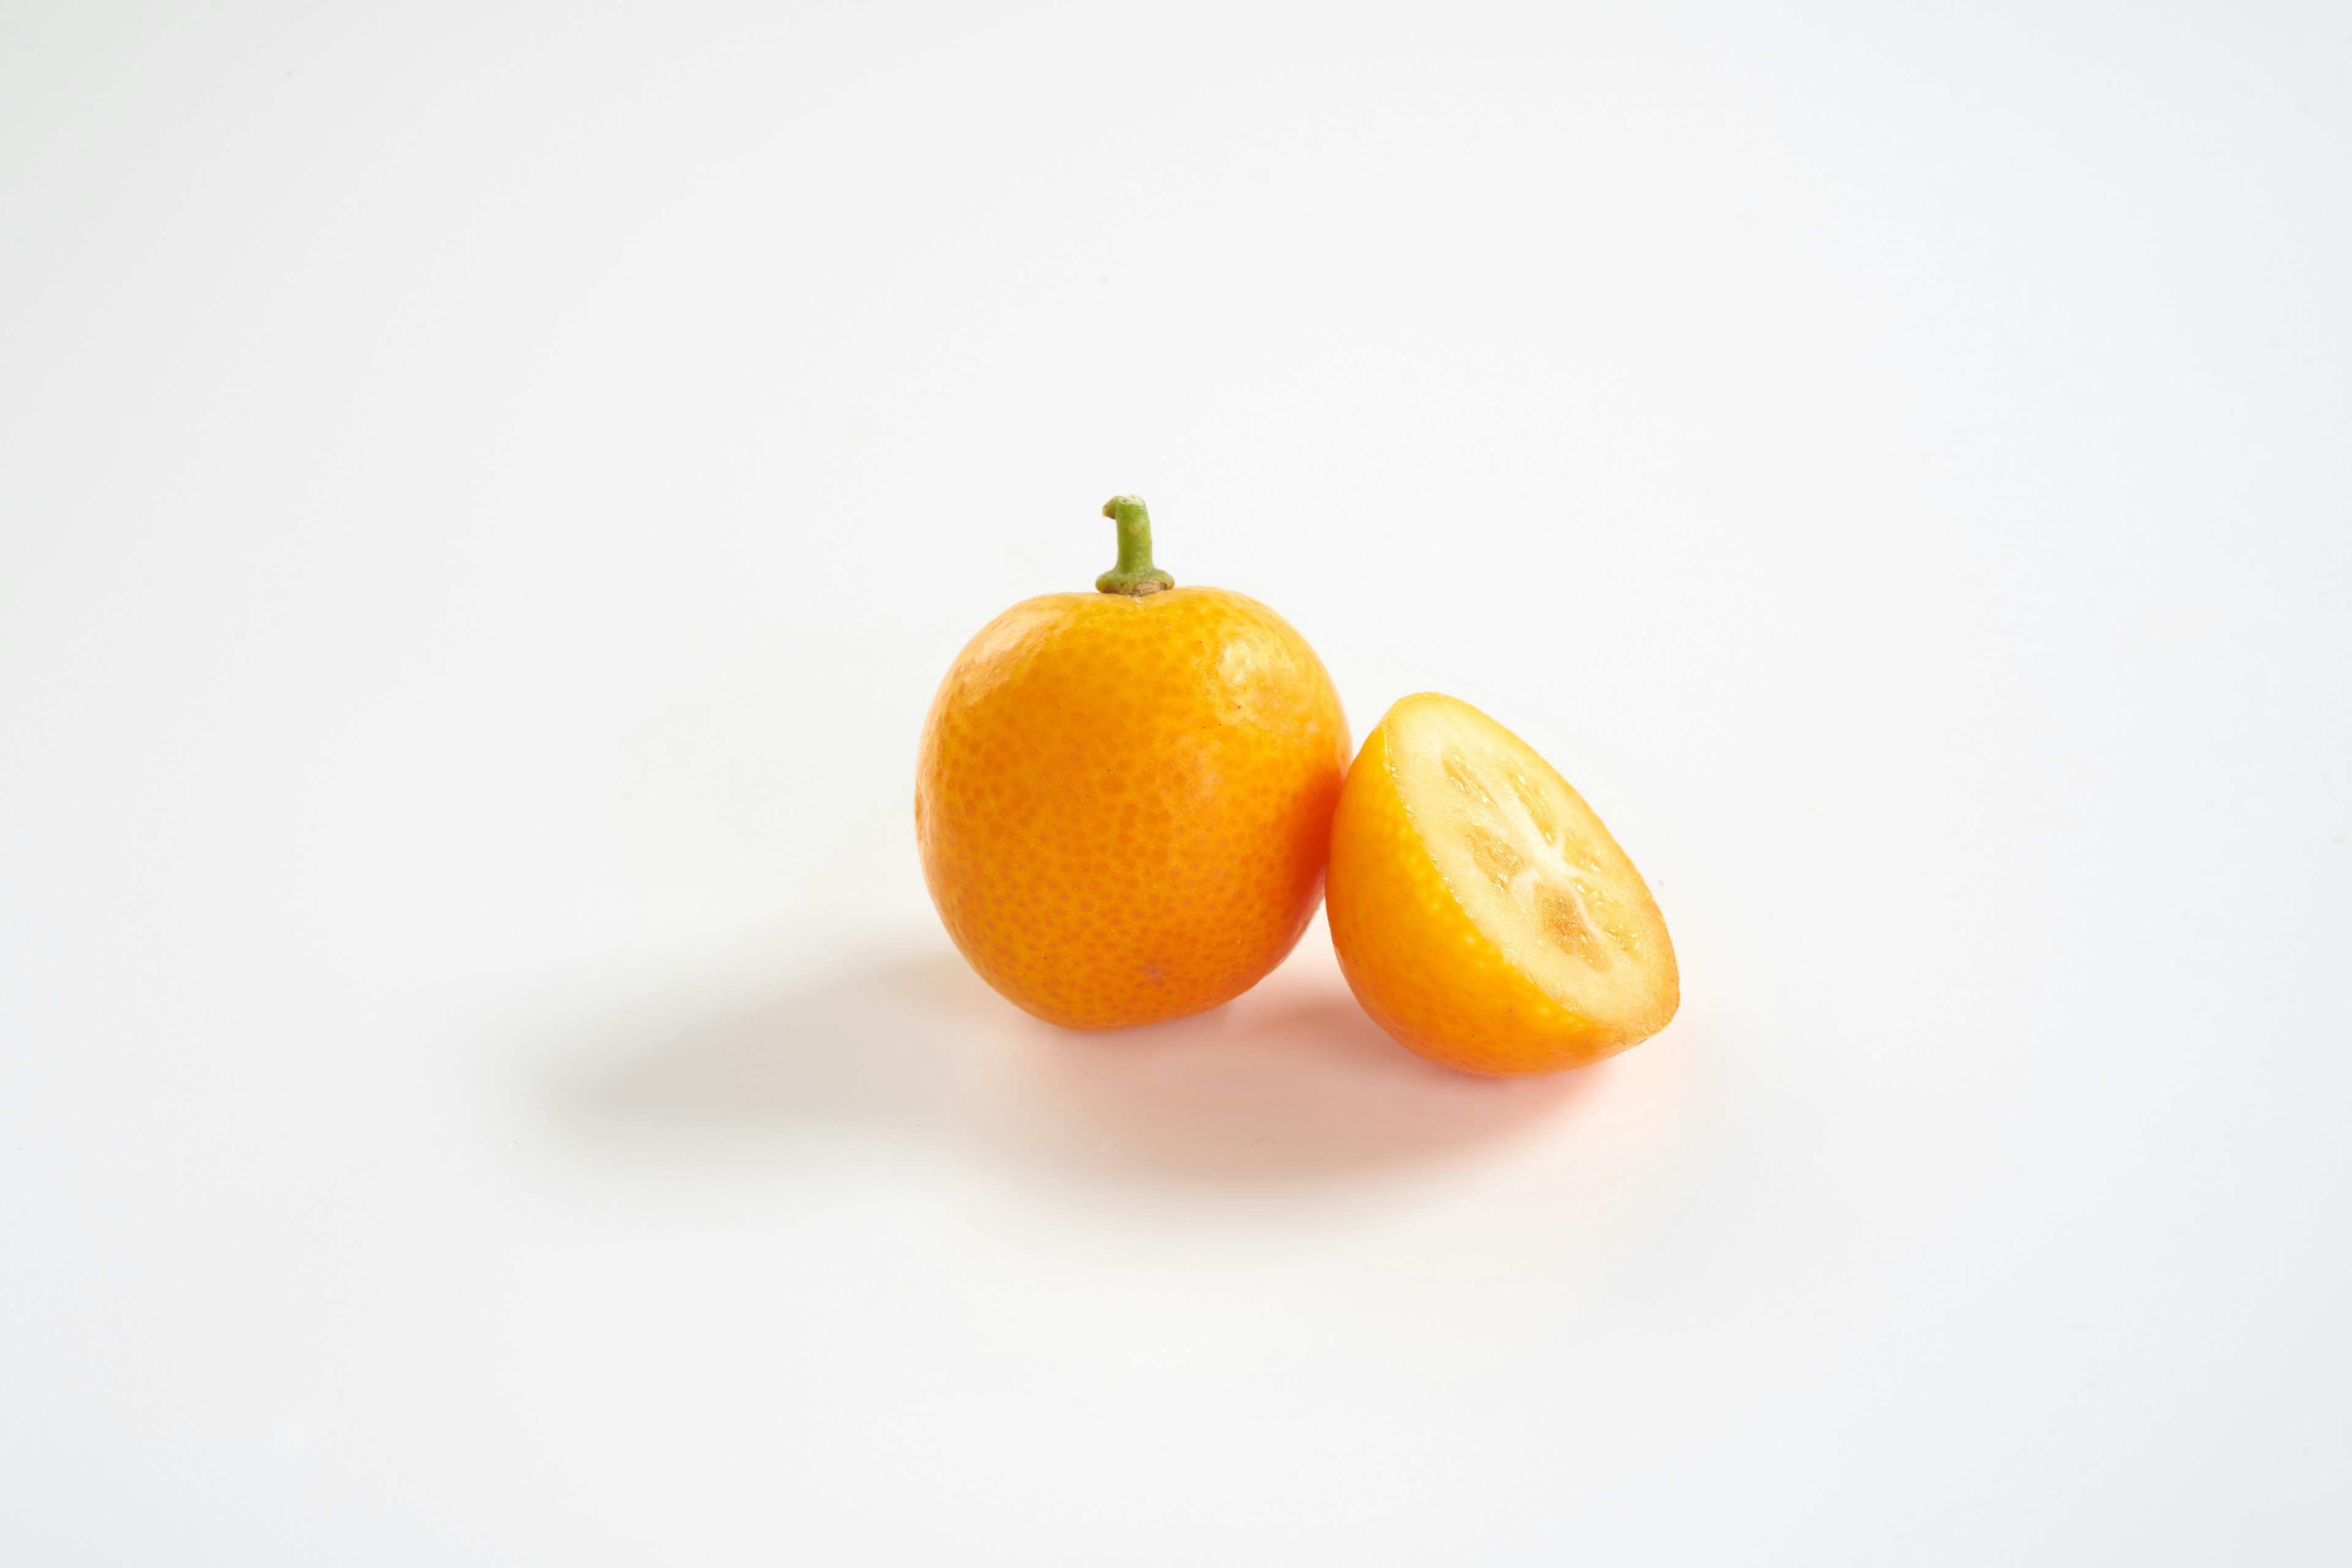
point(1531, 866)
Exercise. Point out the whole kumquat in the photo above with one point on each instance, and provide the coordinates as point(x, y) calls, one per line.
point(1123, 799)
point(1482, 913)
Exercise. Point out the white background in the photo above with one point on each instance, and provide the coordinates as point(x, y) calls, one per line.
point(486, 490)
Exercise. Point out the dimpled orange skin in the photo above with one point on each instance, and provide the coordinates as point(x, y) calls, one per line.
point(1416, 961)
point(1124, 803)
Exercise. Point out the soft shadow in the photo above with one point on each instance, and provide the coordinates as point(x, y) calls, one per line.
point(1289, 1081)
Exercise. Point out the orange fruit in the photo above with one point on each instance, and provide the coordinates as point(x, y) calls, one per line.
point(1482, 913)
point(1123, 799)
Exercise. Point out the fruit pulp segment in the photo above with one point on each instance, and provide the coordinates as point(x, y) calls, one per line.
point(1530, 865)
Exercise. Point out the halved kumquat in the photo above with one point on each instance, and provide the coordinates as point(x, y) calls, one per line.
point(1482, 913)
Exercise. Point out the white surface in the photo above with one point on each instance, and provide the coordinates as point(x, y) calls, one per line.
point(485, 495)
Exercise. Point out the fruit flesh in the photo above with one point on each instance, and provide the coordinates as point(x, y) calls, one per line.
point(1482, 913)
point(1123, 804)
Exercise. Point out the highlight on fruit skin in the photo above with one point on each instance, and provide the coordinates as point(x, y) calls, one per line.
point(1482, 913)
point(1123, 798)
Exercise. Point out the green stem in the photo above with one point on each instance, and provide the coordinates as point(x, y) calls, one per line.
point(1135, 573)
